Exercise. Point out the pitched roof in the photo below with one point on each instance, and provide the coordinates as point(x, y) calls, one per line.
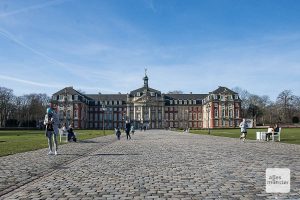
point(108, 97)
point(70, 90)
point(221, 90)
point(142, 89)
point(186, 96)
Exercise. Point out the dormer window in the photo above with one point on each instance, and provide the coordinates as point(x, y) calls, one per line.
point(171, 102)
point(185, 102)
point(180, 101)
point(138, 94)
point(194, 102)
point(175, 101)
point(152, 94)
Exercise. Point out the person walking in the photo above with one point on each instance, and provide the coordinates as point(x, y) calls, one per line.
point(132, 129)
point(127, 129)
point(118, 133)
point(243, 126)
point(51, 123)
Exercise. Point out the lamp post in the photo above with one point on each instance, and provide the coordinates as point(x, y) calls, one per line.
point(208, 110)
point(187, 119)
point(65, 106)
point(103, 124)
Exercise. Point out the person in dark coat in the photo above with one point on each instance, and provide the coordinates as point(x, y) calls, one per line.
point(127, 129)
point(118, 132)
point(71, 134)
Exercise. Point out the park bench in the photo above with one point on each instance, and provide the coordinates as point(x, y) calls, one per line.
point(262, 135)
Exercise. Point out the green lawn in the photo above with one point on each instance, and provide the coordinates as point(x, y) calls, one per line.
point(288, 135)
point(17, 141)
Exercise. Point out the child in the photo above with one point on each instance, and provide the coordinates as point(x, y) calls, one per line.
point(118, 132)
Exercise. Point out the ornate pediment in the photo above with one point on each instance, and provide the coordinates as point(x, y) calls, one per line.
point(142, 99)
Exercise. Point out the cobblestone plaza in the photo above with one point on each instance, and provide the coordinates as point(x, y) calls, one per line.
point(155, 164)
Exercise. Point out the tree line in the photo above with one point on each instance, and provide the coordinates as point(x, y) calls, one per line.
point(285, 109)
point(22, 111)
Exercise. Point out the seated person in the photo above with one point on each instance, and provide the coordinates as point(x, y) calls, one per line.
point(71, 134)
point(64, 129)
point(276, 129)
point(269, 133)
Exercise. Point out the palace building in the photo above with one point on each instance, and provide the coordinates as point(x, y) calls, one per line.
point(148, 107)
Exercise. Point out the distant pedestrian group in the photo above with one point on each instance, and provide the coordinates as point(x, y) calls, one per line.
point(128, 129)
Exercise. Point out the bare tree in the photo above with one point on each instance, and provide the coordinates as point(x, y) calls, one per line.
point(285, 103)
point(6, 103)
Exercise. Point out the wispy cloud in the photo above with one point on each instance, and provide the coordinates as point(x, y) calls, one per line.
point(150, 4)
point(33, 7)
point(11, 37)
point(9, 78)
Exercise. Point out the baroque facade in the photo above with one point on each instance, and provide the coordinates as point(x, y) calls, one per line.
point(146, 106)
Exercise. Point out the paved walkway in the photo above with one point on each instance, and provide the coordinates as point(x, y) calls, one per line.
point(153, 165)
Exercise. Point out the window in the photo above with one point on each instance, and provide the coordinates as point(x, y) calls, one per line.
point(76, 113)
point(194, 102)
point(230, 113)
point(236, 114)
point(175, 101)
point(190, 101)
point(138, 94)
point(185, 102)
point(236, 96)
point(216, 113)
point(223, 123)
point(171, 102)
point(180, 101)
point(152, 94)
point(216, 123)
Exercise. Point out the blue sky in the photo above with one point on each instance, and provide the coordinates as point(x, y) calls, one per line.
point(193, 46)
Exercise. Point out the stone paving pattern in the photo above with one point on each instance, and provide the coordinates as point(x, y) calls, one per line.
point(155, 164)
